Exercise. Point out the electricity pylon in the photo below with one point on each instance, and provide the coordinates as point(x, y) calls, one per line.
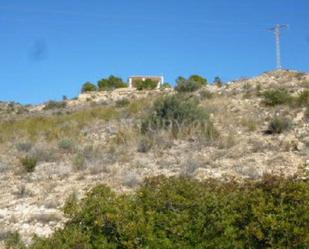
point(277, 31)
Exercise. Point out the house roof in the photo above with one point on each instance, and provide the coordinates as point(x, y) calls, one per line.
point(146, 76)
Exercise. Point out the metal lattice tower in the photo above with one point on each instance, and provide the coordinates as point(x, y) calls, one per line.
point(277, 31)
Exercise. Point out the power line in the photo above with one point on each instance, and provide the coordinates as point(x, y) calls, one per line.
point(277, 31)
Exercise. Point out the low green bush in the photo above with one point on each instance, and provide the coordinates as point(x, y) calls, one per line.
point(14, 241)
point(307, 113)
point(29, 163)
point(24, 146)
point(175, 112)
point(166, 85)
point(122, 102)
point(218, 82)
point(51, 105)
point(111, 83)
point(276, 97)
point(192, 84)
point(278, 125)
point(89, 87)
point(146, 84)
point(185, 213)
point(145, 144)
point(303, 98)
point(66, 144)
point(79, 161)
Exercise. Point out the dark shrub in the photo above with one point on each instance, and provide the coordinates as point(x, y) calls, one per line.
point(29, 163)
point(218, 82)
point(122, 102)
point(278, 125)
point(166, 85)
point(67, 145)
point(111, 83)
point(14, 241)
point(24, 146)
point(276, 97)
point(183, 213)
point(303, 98)
point(307, 113)
point(199, 79)
point(89, 87)
point(192, 84)
point(145, 144)
point(174, 112)
point(147, 84)
point(55, 105)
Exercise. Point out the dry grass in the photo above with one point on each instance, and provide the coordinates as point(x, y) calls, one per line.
point(137, 106)
point(56, 126)
point(249, 123)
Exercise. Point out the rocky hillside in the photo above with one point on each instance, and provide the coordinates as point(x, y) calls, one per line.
point(52, 151)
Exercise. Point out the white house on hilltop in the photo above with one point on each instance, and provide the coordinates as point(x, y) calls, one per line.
point(158, 79)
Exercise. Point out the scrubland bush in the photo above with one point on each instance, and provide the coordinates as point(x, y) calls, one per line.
point(24, 146)
point(281, 97)
point(122, 102)
point(66, 144)
point(44, 154)
point(174, 113)
point(89, 87)
point(51, 105)
point(111, 83)
point(91, 152)
point(218, 82)
point(29, 163)
point(166, 85)
point(79, 161)
point(184, 213)
point(71, 205)
point(14, 241)
point(22, 191)
point(278, 125)
point(307, 113)
point(205, 94)
point(146, 84)
point(276, 97)
point(258, 89)
point(303, 98)
point(145, 144)
point(192, 84)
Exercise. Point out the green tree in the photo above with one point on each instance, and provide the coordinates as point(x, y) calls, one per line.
point(147, 84)
point(218, 82)
point(111, 83)
point(89, 87)
point(166, 85)
point(192, 84)
point(198, 79)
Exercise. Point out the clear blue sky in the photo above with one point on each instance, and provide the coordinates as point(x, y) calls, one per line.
point(49, 48)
